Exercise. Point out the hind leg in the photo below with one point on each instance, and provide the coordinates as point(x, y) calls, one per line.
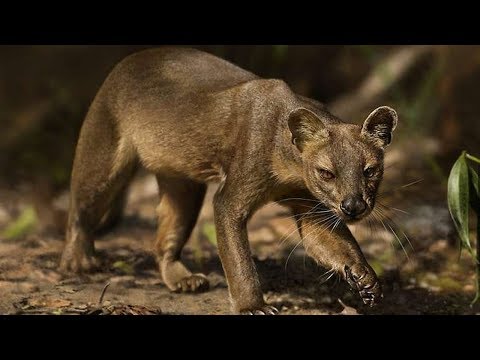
point(178, 211)
point(103, 165)
point(114, 215)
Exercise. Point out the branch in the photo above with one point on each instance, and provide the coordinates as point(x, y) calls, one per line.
point(380, 80)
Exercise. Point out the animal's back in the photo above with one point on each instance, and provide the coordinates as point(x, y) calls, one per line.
point(171, 71)
point(174, 107)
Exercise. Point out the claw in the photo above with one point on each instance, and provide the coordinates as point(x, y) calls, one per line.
point(369, 289)
point(272, 310)
point(264, 310)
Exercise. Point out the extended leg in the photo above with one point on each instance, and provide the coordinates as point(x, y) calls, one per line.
point(178, 211)
point(232, 207)
point(337, 249)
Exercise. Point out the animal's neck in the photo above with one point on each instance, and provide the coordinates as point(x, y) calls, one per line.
point(287, 162)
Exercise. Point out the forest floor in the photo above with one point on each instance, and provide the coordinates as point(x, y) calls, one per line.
point(431, 280)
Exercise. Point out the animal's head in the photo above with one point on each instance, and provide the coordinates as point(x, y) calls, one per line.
point(343, 163)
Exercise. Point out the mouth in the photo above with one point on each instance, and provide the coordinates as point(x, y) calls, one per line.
point(351, 219)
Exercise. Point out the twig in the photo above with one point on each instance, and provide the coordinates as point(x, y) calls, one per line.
point(100, 301)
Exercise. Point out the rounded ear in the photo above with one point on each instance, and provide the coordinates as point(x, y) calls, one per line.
point(380, 124)
point(304, 126)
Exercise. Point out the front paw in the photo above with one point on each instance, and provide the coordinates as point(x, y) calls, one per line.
point(363, 279)
point(260, 310)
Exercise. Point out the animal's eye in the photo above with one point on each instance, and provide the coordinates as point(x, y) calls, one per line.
point(325, 174)
point(369, 172)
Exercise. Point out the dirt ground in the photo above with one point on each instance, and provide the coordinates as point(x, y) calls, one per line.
point(431, 280)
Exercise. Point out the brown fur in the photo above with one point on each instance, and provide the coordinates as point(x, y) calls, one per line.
point(192, 118)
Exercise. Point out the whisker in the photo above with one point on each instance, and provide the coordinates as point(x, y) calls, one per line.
point(370, 227)
point(411, 183)
point(388, 192)
point(336, 224)
point(292, 199)
point(330, 221)
point(377, 217)
point(311, 211)
point(331, 271)
point(285, 237)
point(302, 238)
point(396, 236)
point(326, 225)
point(408, 240)
point(398, 227)
point(291, 252)
point(393, 208)
point(326, 273)
point(278, 202)
point(303, 215)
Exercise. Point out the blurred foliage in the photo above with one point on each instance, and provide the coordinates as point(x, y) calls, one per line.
point(123, 267)
point(208, 231)
point(24, 224)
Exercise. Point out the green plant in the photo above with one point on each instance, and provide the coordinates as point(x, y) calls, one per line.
point(463, 194)
point(26, 222)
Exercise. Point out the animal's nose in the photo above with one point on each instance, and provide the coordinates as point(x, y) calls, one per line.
point(353, 206)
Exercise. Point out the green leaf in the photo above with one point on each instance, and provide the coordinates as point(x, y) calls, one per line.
point(458, 199)
point(475, 191)
point(22, 225)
